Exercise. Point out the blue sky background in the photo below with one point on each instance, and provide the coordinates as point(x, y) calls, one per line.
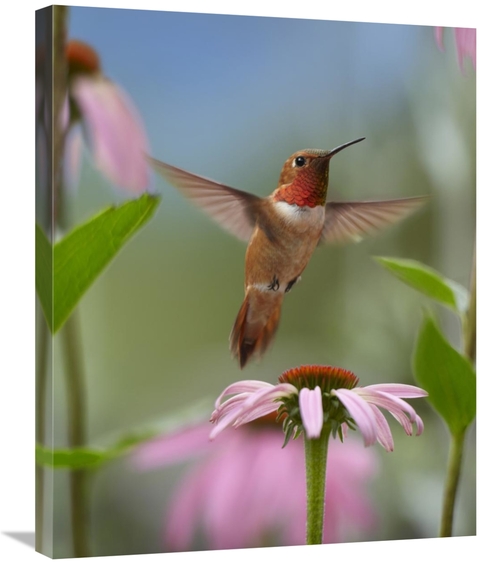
point(235, 88)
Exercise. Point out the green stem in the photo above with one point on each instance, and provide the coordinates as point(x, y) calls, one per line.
point(453, 476)
point(316, 451)
point(470, 321)
point(77, 432)
point(41, 386)
point(458, 439)
point(51, 41)
point(69, 333)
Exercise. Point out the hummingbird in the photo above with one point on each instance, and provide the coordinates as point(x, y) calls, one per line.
point(282, 231)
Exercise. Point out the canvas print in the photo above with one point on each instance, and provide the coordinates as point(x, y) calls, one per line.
point(255, 277)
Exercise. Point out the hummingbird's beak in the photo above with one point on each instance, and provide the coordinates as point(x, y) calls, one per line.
point(338, 149)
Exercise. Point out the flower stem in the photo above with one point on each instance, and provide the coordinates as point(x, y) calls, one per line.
point(470, 321)
point(51, 89)
point(41, 387)
point(316, 451)
point(458, 439)
point(453, 476)
point(70, 337)
point(77, 432)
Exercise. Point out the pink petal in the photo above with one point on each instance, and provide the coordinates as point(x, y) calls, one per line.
point(247, 406)
point(251, 495)
point(72, 158)
point(227, 496)
point(241, 493)
point(280, 390)
point(280, 472)
point(384, 435)
point(420, 425)
point(361, 413)
point(257, 411)
point(224, 422)
point(386, 401)
point(268, 395)
point(229, 405)
point(465, 39)
point(398, 390)
point(116, 133)
point(350, 468)
point(311, 411)
point(264, 486)
point(242, 386)
point(396, 407)
point(64, 115)
point(263, 402)
point(403, 420)
point(184, 508)
point(173, 447)
point(438, 36)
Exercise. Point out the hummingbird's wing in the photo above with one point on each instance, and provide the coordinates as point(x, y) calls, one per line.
point(351, 221)
point(232, 209)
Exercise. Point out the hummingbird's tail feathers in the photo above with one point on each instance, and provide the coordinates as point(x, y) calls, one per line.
point(238, 347)
point(255, 326)
point(352, 221)
point(266, 336)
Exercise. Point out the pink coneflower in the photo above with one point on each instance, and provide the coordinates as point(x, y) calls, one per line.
point(111, 125)
point(246, 491)
point(312, 396)
point(465, 39)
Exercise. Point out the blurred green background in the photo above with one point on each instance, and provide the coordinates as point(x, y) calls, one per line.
point(231, 98)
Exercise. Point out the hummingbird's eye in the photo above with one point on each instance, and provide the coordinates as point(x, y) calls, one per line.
point(300, 161)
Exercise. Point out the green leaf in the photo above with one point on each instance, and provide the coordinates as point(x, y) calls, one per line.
point(43, 273)
point(84, 457)
point(128, 442)
point(446, 375)
point(91, 458)
point(428, 281)
point(82, 255)
point(70, 458)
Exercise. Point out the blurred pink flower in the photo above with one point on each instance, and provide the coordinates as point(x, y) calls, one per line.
point(111, 125)
point(309, 394)
point(465, 39)
point(246, 491)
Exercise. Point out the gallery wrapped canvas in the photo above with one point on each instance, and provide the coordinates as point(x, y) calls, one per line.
point(255, 279)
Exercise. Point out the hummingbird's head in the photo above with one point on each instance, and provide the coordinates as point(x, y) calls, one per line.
point(304, 176)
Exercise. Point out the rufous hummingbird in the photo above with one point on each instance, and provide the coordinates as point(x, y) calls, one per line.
point(282, 231)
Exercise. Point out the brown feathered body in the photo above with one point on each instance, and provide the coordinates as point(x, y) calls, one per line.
point(282, 231)
point(279, 249)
